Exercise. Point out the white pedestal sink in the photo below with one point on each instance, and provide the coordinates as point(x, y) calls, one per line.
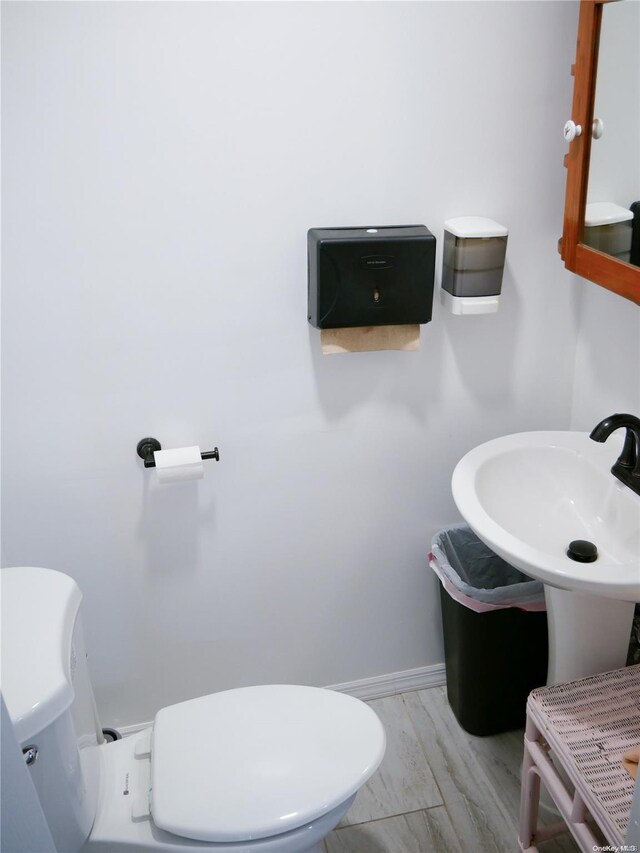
point(528, 496)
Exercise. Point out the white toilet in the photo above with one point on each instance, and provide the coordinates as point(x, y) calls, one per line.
point(269, 769)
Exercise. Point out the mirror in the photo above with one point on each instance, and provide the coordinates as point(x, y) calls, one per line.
point(612, 216)
point(601, 226)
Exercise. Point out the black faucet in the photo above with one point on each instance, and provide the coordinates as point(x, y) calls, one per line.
point(627, 467)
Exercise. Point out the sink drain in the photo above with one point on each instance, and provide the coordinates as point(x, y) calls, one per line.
point(582, 551)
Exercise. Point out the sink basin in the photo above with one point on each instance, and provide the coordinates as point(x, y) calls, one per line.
point(528, 495)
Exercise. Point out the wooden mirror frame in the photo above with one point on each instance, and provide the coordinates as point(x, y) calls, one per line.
point(603, 269)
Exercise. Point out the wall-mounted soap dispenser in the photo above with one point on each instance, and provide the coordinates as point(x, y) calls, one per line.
point(472, 264)
point(370, 276)
point(608, 227)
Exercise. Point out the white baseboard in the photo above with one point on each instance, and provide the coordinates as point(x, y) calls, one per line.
point(376, 687)
point(392, 683)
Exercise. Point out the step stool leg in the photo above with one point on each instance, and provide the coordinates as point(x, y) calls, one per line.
point(530, 794)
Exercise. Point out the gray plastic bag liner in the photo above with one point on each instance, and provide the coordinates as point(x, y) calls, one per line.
point(478, 578)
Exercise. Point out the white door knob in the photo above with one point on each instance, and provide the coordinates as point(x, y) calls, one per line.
point(571, 130)
point(597, 128)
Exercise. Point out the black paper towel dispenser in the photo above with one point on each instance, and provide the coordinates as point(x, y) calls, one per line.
point(370, 276)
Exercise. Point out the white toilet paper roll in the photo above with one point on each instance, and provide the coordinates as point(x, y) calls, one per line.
point(179, 464)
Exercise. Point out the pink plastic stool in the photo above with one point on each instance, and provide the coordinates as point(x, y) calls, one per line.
point(587, 726)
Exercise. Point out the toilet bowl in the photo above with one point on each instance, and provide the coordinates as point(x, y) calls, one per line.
point(266, 769)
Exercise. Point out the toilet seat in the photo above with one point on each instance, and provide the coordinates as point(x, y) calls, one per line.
point(255, 762)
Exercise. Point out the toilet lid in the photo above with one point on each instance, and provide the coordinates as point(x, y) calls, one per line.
point(258, 761)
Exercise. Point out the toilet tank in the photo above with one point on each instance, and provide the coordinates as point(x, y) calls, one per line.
point(47, 691)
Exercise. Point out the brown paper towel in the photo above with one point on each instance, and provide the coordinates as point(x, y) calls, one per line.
point(368, 338)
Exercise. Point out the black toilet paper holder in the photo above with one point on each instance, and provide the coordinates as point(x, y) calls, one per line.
point(148, 446)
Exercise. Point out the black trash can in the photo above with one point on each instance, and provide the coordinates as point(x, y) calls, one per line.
point(495, 632)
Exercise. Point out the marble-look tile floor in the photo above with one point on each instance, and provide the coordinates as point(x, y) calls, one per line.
point(439, 789)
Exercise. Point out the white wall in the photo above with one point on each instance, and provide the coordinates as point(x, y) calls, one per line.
point(162, 164)
point(607, 377)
